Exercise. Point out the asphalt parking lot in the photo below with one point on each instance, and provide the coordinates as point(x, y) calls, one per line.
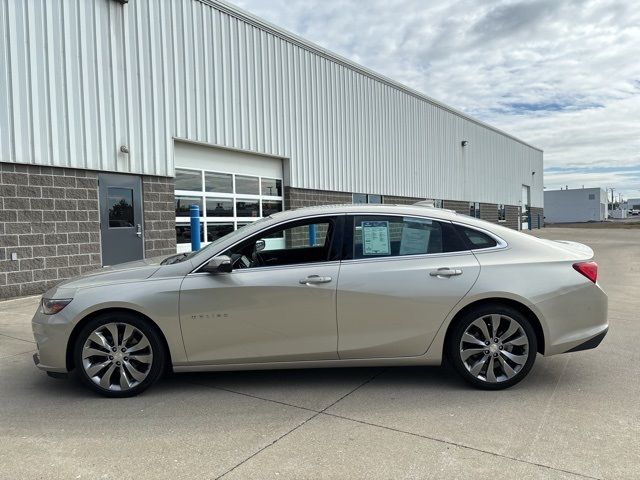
point(575, 416)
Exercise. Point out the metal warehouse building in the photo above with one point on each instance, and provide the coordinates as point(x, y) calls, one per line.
point(115, 116)
point(576, 205)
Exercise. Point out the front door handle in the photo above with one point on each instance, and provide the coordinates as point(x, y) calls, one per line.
point(139, 230)
point(446, 272)
point(314, 279)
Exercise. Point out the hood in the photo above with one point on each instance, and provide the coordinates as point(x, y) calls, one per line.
point(138, 270)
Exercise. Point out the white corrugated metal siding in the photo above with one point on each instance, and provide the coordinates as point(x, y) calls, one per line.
point(80, 78)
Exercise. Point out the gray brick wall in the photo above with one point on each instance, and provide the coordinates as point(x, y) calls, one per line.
point(302, 197)
point(49, 218)
point(535, 212)
point(489, 212)
point(457, 206)
point(513, 216)
point(159, 216)
point(392, 200)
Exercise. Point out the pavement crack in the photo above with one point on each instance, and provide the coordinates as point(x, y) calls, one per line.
point(317, 413)
point(16, 338)
point(460, 445)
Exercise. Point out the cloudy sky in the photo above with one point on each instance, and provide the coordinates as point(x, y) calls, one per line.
point(561, 75)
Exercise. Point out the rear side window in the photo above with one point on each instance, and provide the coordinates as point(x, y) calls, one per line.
point(476, 239)
point(394, 236)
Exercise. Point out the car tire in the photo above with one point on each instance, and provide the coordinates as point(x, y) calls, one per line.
point(482, 361)
point(123, 367)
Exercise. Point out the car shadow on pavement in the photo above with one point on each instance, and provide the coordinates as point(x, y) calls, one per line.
point(279, 385)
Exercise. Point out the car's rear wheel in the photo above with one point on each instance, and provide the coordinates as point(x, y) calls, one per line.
point(492, 347)
point(118, 355)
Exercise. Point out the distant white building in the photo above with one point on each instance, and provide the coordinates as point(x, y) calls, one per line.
point(575, 205)
point(633, 204)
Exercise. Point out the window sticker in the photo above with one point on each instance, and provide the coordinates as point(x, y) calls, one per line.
point(415, 237)
point(375, 238)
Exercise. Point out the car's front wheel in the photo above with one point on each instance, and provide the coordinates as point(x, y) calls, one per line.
point(492, 347)
point(118, 354)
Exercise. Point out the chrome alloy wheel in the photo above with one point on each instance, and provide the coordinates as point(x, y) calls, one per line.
point(117, 356)
point(494, 348)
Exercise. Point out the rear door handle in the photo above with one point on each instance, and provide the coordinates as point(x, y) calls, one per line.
point(314, 279)
point(446, 272)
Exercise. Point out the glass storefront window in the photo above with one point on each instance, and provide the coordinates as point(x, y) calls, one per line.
point(218, 182)
point(188, 180)
point(247, 185)
point(183, 203)
point(271, 206)
point(183, 232)
point(271, 187)
point(227, 201)
point(217, 230)
point(219, 207)
point(247, 208)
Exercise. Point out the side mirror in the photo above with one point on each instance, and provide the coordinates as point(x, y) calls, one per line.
point(220, 264)
point(260, 244)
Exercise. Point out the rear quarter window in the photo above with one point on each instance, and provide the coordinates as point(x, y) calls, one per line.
point(476, 239)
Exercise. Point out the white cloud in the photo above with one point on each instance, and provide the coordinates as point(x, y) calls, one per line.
point(562, 75)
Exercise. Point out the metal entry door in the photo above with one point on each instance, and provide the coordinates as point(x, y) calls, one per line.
point(121, 218)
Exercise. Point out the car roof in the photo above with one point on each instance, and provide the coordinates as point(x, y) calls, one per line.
point(421, 210)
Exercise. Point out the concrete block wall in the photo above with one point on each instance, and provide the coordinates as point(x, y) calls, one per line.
point(535, 212)
point(49, 219)
point(457, 206)
point(391, 200)
point(302, 197)
point(158, 195)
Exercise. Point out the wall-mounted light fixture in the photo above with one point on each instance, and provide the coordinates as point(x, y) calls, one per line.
point(464, 143)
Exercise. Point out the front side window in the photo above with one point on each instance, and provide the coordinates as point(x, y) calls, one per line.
point(298, 242)
point(393, 236)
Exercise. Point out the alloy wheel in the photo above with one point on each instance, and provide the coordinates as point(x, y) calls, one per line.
point(117, 356)
point(494, 348)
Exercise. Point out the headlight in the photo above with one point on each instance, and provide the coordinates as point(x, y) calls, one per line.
point(50, 306)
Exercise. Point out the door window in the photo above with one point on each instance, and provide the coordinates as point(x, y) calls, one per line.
point(120, 202)
point(299, 242)
point(393, 236)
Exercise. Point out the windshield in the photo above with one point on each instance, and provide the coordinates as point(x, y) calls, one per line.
point(239, 233)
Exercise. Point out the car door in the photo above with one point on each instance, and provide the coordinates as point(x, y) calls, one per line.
point(400, 278)
point(278, 304)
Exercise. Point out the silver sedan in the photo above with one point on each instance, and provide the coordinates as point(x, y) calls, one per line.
point(329, 287)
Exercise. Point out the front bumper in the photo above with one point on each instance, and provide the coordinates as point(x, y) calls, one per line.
point(51, 333)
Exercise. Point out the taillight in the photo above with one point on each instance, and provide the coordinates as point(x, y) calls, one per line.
point(588, 269)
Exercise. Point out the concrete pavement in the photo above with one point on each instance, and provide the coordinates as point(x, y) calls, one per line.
point(575, 416)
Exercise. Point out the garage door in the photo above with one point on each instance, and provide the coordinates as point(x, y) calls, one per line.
point(231, 188)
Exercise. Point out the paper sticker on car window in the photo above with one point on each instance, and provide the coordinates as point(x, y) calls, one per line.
point(375, 238)
point(415, 238)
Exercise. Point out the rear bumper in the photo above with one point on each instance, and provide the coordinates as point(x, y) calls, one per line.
point(591, 343)
point(573, 318)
